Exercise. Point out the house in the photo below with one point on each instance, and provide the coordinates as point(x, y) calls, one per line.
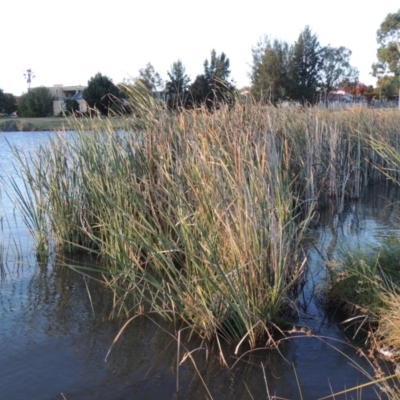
point(61, 93)
point(338, 96)
point(340, 99)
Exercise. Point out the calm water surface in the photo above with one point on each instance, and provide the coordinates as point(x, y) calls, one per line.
point(55, 329)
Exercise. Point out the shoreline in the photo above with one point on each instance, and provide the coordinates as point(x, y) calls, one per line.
point(16, 124)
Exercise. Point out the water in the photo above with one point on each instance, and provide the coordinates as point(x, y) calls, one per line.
point(55, 329)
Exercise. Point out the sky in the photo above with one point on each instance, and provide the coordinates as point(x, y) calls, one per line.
point(69, 42)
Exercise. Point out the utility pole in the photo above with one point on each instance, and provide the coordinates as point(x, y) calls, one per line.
point(29, 75)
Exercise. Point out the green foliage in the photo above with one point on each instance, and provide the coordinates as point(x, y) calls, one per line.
point(71, 106)
point(7, 103)
point(146, 86)
point(176, 88)
point(102, 95)
point(38, 102)
point(364, 284)
point(354, 285)
point(284, 72)
point(216, 73)
point(149, 78)
point(306, 66)
point(213, 88)
point(198, 91)
point(388, 37)
point(217, 68)
point(336, 68)
point(270, 76)
point(387, 87)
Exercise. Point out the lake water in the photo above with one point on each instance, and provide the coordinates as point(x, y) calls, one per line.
point(55, 328)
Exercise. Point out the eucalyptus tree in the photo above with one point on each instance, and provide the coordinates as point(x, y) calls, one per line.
point(388, 38)
point(149, 78)
point(387, 87)
point(335, 69)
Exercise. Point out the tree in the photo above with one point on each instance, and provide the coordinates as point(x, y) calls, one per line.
point(270, 76)
point(213, 88)
point(388, 37)
point(387, 87)
point(218, 67)
point(198, 91)
point(353, 87)
point(149, 78)
point(7, 103)
point(216, 73)
point(306, 65)
point(335, 69)
point(102, 95)
point(358, 89)
point(176, 88)
point(71, 107)
point(38, 102)
point(367, 92)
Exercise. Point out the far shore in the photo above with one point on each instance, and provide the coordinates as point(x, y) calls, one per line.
point(16, 124)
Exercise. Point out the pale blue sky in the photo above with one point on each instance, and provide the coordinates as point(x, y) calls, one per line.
point(68, 42)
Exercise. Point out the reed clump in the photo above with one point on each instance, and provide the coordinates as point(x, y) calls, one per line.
point(361, 278)
point(200, 216)
point(365, 284)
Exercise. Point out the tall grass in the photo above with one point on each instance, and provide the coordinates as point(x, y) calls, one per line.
point(362, 278)
point(199, 216)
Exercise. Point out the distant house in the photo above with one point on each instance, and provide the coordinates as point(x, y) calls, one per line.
point(342, 99)
point(338, 96)
point(245, 91)
point(61, 93)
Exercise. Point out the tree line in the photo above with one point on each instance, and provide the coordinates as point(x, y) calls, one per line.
point(279, 72)
point(210, 89)
point(304, 72)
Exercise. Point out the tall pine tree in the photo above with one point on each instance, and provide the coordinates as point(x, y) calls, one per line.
point(213, 87)
point(306, 66)
point(176, 88)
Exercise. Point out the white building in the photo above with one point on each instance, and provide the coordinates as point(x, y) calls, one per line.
point(62, 93)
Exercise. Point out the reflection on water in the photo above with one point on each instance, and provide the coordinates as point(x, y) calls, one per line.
point(55, 329)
